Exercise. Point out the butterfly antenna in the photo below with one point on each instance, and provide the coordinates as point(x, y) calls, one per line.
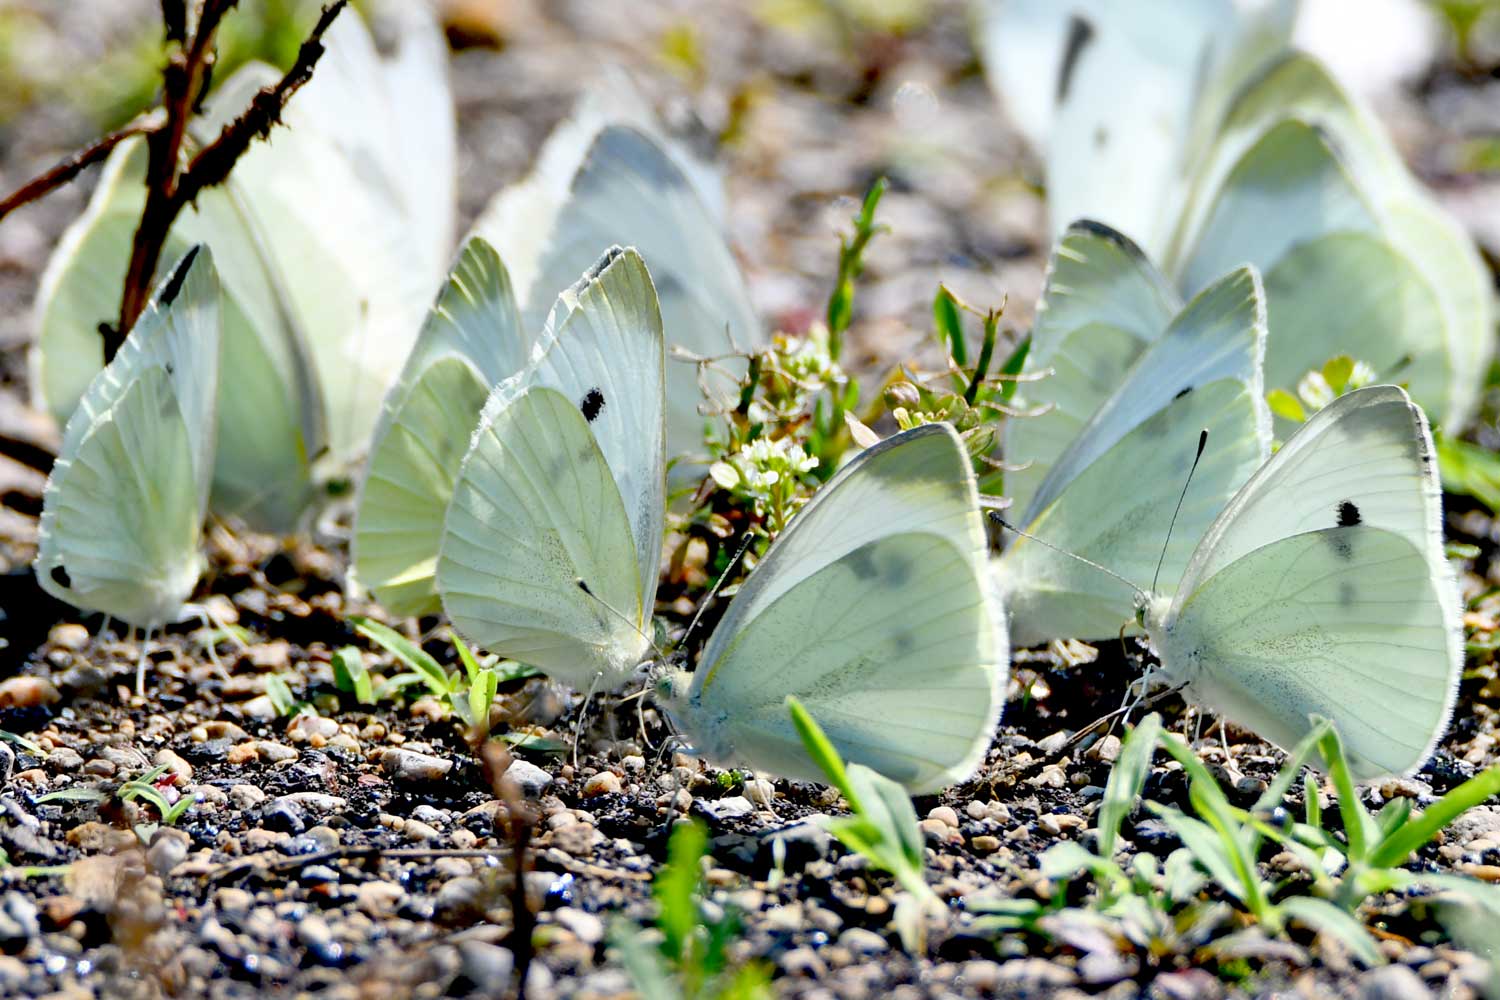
point(994, 516)
point(583, 586)
point(714, 591)
point(1202, 443)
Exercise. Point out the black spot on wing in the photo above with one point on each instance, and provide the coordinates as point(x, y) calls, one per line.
point(179, 275)
point(1183, 391)
point(171, 369)
point(1348, 514)
point(1080, 34)
point(904, 643)
point(61, 578)
point(591, 404)
point(1347, 594)
point(862, 563)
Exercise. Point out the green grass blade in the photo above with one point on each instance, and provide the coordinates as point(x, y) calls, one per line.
point(1322, 916)
point(822, 751)
point(1123, 789)
point(408, 652)
point(1420, 829)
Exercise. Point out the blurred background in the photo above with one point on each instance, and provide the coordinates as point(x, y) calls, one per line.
point(808, 101)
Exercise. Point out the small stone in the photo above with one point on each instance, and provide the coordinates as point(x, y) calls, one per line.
point(169, 848)
point(488, 964)
point(1392, 982)
point(1051, 776)
point(1053, 745)
point(307, 727)
point(319, 803)
point(463, 839)
point(603, 783)
point(458, 901)
point(68, 636)
point(1036, 974)
point(585, 926)
point(217, 730)
point(379, 899)
point(245, 796)
point(981, 974)
point(18, 922)
point(100, 768)
point(409, 765)
point(64, 760)
point(945, 814)
point(27, 692)
point(728, 808)
point(417, 830)
point(577, 840)
point(1107, 750)
point(938, 832)
point(803, 962)
point(274, 753)
point(634, 763)
point(174, 764)
point(864, 942)
point(531, 779)
point(985, 843)
point(232, 900)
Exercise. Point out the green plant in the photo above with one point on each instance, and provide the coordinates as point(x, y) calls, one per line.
point(692, 960)
point(468, 693)
point(282, 700)
point(351, 677)
point(1164, 910)
point(1319, 387)
point(882, 825)
point(145, 787)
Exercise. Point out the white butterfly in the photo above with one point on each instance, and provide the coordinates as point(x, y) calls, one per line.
point(875, 608)
point(473, 340)
point(606, 176)
point(1122, 154)
point(1127, 386)
point(332, 241)
point(1323, 589)
point(1362, 259)
point(551, 546)
point(122, 514)
point(1228, 148)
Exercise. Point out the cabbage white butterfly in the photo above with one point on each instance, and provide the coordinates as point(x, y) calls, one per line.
point(1323, 589)
point(122, 514)
point(874, 607)
point(325, 238)
point(472, 340)
point(623, 184)
point(551, 545)
point(1106, 467)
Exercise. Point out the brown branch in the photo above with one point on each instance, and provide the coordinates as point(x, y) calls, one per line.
point(169, 186)
point(67, 169)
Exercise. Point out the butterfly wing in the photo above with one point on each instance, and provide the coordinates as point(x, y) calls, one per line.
point(1102, 304)
point(123, 509)
point(267, 427)
point(1111, 495)
point(564, 482)
point(888, 631)
point(1326, 573)
point(629, 190)
point(472, 340)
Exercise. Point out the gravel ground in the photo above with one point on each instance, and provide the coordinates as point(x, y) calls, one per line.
point(359, 852)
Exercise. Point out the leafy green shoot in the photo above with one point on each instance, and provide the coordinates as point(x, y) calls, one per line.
point(851, 263)
point(882, 827)
point(692, 960)
point(351, 677)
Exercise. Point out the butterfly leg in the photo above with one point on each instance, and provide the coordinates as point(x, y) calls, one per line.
point(140, 664)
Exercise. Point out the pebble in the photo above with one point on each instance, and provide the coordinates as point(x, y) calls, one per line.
point(937, 831)
point(985, 843)
point(18, 922)
point(585, 926)
point(803, 962)
point(1106, 750)
point(760, 792)
point(379, 899)
point(945, 814)
point(409, 765)
point(65, 760)
point(732, 807)
point(307, 728)
point(315, 802)
point(1053, 824)
point(531, 779)
point(1392, 982)
point(463, 839)
point(27, 692)
point(458, 900)
point(217, 730)
point(603, 783)
point(169, 848)
point(1036, 974)
point(232, 900)
point(863, 942)
point(173, 763)
point(68, 636)
point(417, 830)
point(245, 796)
point(489, 965)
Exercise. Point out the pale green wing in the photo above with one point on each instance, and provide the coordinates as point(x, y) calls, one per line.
point(1367, 455)
point(1103, 302)
point(266, 432)
point(1111, 496)
point(1348, 623)
point(602, 347)
point(124, 506)
point(1355, 293)
point(472, 340)
point(895, 649)
point(535, 511)
point(916, 481)
point(564, 483)
point(1290, 175)
point(628, 190)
